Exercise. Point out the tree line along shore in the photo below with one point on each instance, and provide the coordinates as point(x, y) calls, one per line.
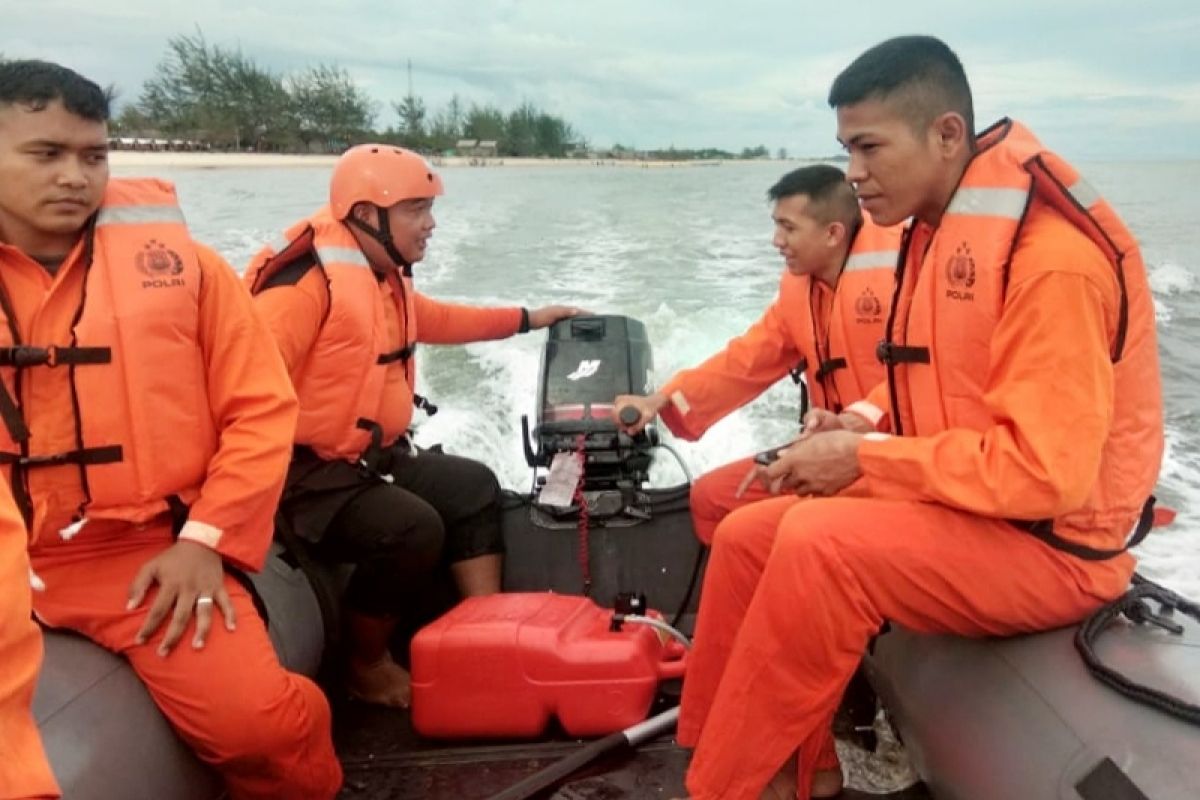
point(210, 99)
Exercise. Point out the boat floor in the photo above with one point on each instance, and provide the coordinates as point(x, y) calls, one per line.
point(384, 758)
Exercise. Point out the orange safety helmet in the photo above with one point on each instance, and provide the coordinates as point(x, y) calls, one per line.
point(381, 174)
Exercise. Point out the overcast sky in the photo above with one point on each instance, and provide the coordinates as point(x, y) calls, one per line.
point(1097, 79)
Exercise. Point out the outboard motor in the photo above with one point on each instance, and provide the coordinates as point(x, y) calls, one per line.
point(587, 362)
point(592, 525)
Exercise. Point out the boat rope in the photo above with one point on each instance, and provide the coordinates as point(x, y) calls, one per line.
point(1134, 605)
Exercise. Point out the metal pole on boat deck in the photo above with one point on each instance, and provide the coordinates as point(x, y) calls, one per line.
point(631, 737)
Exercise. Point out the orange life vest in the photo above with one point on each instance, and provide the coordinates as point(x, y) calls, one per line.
point(941, 324)
point(838, 362)
point(843, 366)
point(341, 386)
point(130, 342)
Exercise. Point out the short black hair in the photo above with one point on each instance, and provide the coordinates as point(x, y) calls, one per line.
point(921, 73)
point(37, 84)
point(830, 196)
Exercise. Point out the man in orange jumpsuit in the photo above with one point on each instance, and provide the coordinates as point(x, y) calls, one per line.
point(825, 322)
point(24, 771)
point(145, 433)
point(337, 295)
point(995, 476)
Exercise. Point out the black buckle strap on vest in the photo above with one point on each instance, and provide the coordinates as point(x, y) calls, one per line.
point(86, 456)
point(371, 458)
point(797, 372)
point(797, 375)
point(1043, 530)
point(11, 415)
point(403, 354)
point(882, 350)
point(29, 356)
point(424, 404)
point(179, 513)
point(891, 353)
point(829, 366)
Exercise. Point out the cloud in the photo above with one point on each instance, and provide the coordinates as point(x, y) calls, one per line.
point(1100, 78)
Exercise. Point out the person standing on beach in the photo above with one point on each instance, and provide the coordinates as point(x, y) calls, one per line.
point(995, 474)
point(825, 322)
point(337, 295)
point(145, 435)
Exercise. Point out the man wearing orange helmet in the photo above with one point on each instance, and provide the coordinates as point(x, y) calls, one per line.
point(337, 294)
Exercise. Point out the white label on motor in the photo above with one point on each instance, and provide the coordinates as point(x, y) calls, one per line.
point(559, 489)
point(586, 369)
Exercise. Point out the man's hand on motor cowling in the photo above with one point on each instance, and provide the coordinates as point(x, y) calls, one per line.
point(191, 581)
point(546, 316)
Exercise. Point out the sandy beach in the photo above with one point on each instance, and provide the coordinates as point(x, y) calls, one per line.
point(190, 160)
point(166, 158)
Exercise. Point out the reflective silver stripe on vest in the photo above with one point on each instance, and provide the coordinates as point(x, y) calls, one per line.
point(1007, 203)
point(876, 259)
point(1084, 194)
point(139, 215)
point(342, 255)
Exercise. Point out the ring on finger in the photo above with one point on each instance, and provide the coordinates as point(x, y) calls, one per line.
point(203, 600)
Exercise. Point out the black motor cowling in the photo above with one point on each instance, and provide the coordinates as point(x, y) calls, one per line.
point(586, 363)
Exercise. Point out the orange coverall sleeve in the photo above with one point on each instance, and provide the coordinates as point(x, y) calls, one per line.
point(699, 397)
point(293, 314)
point(255, 410)
point(452, 323)
point(24, 771)
point(1050, 394)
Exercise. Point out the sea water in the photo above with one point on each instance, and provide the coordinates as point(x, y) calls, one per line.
point(687, 250)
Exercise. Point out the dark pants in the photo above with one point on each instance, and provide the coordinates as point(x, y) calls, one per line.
point(439, 509)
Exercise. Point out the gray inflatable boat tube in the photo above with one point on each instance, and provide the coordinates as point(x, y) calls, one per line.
point(1023, 718)
point(982, 719)
point(103, 734)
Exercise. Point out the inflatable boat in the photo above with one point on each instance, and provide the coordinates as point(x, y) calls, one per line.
point(1021, 718)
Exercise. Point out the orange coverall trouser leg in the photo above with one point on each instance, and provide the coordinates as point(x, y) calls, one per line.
point(790, 636)
point(24, 771)
point(745, 555)
point(713, 496)
point(266, 730)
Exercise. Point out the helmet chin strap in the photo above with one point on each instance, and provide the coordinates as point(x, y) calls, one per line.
point(383, 235)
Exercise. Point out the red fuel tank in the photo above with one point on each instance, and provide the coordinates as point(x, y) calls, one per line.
point(501, 666)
